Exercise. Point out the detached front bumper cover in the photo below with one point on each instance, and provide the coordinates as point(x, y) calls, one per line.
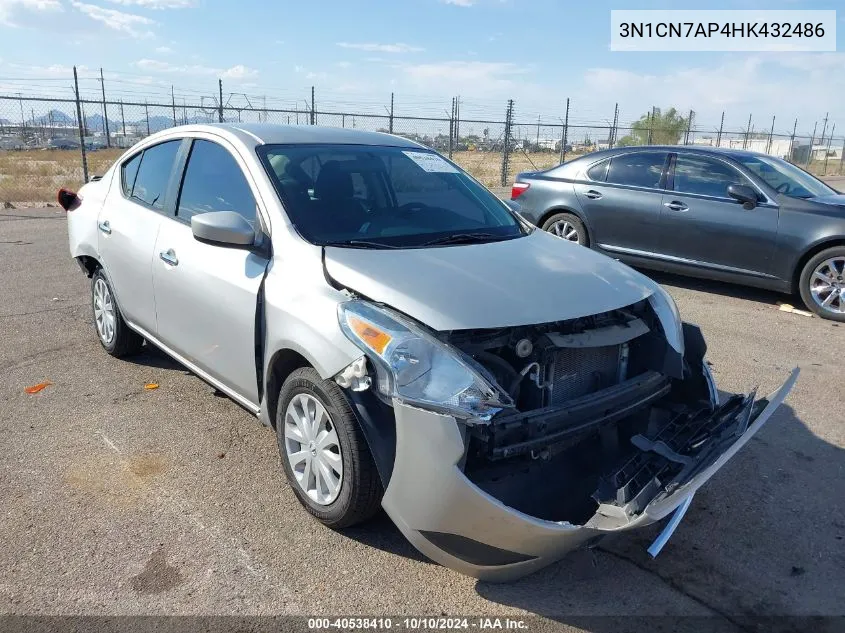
point(454, 522)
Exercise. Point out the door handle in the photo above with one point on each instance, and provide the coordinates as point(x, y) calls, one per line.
point(169, 257)
point(592, 194)
point(675, 205)
point(104, 227)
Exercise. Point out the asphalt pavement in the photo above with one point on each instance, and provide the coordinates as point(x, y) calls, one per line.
point(121, 500)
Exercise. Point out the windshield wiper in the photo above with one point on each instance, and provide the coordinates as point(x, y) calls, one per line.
point(466, 238)
point(360, 244)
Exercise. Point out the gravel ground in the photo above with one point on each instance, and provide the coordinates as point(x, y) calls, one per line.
point(122, 500)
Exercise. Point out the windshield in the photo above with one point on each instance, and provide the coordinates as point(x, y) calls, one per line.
point(785, 178)
point(390, 197)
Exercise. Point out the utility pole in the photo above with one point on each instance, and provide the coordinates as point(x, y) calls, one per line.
point(122, 120)
point(792, 141)
point(771, 134)
point(842, 157)
point(827, 148)
point(613, 130)
point(391, 113)
point(452, 129)
point(689, 127)
point(147, 116)
point(173, 104)
point(537, 141)
point(105, 112)
point(812, 141)
point(313, 113)
point(747, 130)
point(721, 126)
point(220, 104)
point(457, 121)
point(565, 133)
point(824, 127)
point(79, 122)
point(506, 148)
point(651, 124)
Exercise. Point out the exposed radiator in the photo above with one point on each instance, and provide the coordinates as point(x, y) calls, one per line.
point(577, 371)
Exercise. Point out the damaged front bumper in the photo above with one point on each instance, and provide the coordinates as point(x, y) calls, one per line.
point(456, 523)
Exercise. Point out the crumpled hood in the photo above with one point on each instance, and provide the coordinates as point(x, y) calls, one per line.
point(539, 278)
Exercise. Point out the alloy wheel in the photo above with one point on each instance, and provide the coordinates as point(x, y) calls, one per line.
point(104, 314)
point(313, 449)
point(827, 285)
point(565, 230)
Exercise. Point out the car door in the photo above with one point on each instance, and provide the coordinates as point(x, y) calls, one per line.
point(206, 294)
point(702, 226)
point(621, 199)
point(129, 224)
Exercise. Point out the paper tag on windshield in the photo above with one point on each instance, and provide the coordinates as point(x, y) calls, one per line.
point(431, 162)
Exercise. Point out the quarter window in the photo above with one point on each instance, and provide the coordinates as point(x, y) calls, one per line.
point(598, 172)
point(640, 169)
point(705, 176)
point(214, 182)
point(154, 173)
point(128, 172)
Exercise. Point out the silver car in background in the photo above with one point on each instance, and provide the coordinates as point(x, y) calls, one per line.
point(506, 396)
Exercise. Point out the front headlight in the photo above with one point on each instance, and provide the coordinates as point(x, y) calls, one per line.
point(667, 311)
point(415, 367)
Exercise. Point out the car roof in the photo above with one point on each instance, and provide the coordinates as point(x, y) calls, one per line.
point(699, 149)
point(270, 133)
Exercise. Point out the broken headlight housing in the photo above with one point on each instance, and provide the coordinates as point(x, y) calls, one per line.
point(417, 368)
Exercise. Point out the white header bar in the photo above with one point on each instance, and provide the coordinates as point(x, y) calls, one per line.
point(727, 30)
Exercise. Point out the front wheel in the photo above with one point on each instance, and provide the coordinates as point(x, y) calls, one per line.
point(568, 227)
point(822, 284)
point(324, 453)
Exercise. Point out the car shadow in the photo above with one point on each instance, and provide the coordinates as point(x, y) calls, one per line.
point(381, 533)
point(761, 541)
point(723, 288)
point(151, 356)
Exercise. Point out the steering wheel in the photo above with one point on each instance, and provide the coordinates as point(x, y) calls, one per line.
point(783, 188)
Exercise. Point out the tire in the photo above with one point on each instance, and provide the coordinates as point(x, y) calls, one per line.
point(117, 339)
point(360, 489)
point(561, 224)
point(831, 264)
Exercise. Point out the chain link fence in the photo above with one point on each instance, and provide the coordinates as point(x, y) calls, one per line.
point(48, 143)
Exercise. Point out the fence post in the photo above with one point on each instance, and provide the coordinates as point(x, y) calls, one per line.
point(173, 103)
point(827, 147)
point(313, 113)
point(810, 151)
point(747, 131)
point(506, 148)
point(457, 122)
point(451, 128)
point(792, 142)
point(391, 113)
point(220, 103)
point(79, 123)
point(689, 127)
point(721, 126)
point(771, 133)
point(105, 112)
point(613, 131)
point(565, 133)
point(147, 116)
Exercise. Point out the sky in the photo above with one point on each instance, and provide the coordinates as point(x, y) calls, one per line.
point(355, 53)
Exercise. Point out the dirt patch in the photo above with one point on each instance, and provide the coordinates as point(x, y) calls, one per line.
point(112, 480)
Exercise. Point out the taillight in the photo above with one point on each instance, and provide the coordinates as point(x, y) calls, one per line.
point(68, 200)
point(518, 189)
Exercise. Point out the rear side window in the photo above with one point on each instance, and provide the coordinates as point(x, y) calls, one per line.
point(640, 169)
point(705, 176)
point(128, 172)
point(598, 172)
point(154, 174)
point(214, 182)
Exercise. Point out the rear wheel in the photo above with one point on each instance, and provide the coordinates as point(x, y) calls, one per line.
point(568, 227)
point(324, 453)
point(822, 284)
point(115, 336)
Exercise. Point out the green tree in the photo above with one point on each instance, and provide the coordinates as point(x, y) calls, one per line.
point(664, 128)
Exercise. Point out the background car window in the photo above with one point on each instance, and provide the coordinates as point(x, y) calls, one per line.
point(128, 173)
point(154, 173)
point(705, 176)
point(598, 171)
point(214, 182)
point(641, 169)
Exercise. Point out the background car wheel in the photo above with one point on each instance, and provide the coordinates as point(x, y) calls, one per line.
point(567, 226)
point(822, 284)
point(115, 336)
point(324, 453)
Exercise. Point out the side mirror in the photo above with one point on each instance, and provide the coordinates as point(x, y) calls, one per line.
point(743, 194)
point(223, 227)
